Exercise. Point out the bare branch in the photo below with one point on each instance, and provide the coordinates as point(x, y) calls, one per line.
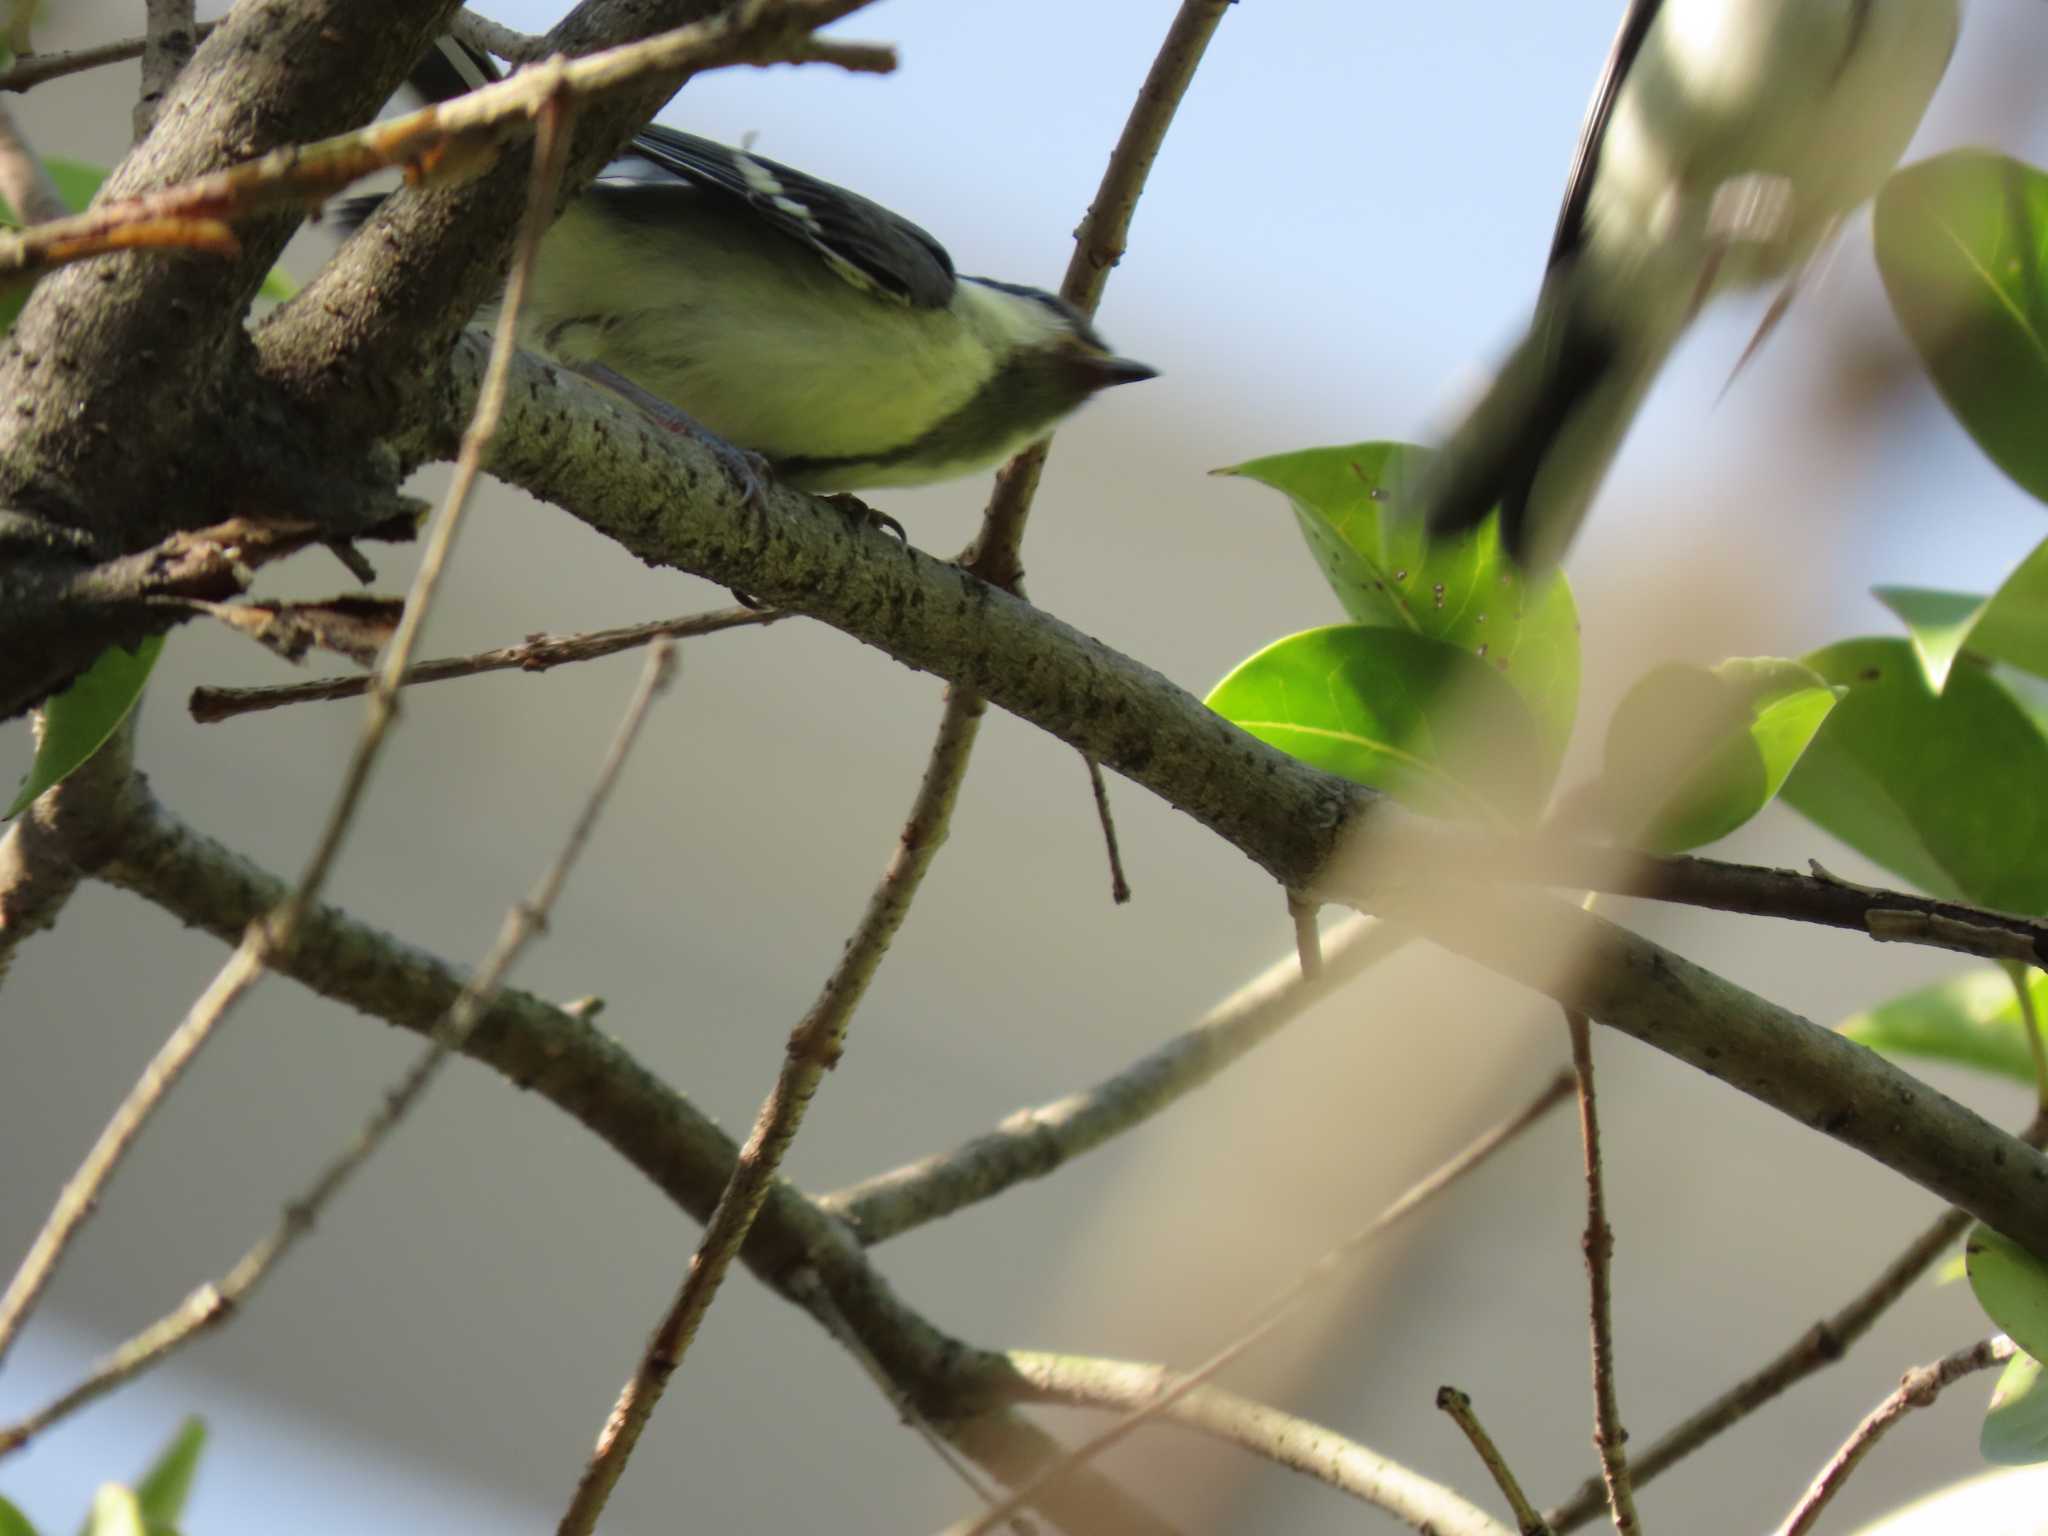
point(211, 1305)
point(1291, 1442)
point(1034, 1142)
point(1335, 1265)
point(23, 181)
point(1609, 1438)
point(1918, 1389)
point(1820, 1346)
point(170, 34)
point(1458, 1405)
point(537, 654)
point(33, 69)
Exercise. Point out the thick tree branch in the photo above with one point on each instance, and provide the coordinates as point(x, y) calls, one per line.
point(667, 501)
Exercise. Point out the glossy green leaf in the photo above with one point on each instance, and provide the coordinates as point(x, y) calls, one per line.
point(115, 1512)
point(168, 1482)
point(2011, 1286)
point(2010, 626)
point(1962, 242)
point(2015, 1432)
point(77, 722)
point(1972, 1020)
point(1943, 790)
point(1352, 507)
point(1693, 752)
point(1431, 725)
point(13, 1522)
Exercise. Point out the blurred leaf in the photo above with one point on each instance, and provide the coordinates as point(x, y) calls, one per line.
point(78, 721)
point(2003, 1503)
point(13, 1522)
point(115, 1512)
point(2010, 626)
point(2011, 1286)
point(168, 1482)
point(1962, 242)
point(1694, 753)
point(1434, 727)
point(1945, 791)
point(1352, 507)
point(2015, 1431)
point(1972, 1020)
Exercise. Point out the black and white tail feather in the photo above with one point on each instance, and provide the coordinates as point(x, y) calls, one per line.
point(1725, 144)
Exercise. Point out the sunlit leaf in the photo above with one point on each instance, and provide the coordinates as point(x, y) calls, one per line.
point(1945, 791)
point(78, 721)
point(1693, 753)
point(1962, 242)
point(168, 1482)
point(2010, 626)
point(1972, 1020)
point(1426, 722)
point(115, 1512)
point(2015, 1431)
point(2002, 1503)
point(2011, 1286)
point(13, 1522)
point(1352, 507)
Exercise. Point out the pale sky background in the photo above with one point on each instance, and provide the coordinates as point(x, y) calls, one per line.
point(1345, 228)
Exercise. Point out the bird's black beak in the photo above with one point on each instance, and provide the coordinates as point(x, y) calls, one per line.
point(1103, 370)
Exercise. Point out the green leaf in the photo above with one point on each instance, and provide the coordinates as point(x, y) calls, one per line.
point(2010, 626)
point(168, 1482)
point(2015, 1431)
point(1352, 505)
point(115, 1512)
point(1962, 242)
point(78, 721)
point(13, 1522)
point(1945, 791)
point(2011, 1286)
point(1694, 753)
point(1431, 725)
point(1972, 1020)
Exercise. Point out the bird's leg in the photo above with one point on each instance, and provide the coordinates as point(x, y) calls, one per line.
point(1811, 268)
point(749, 471)
point(860, 512)
point(1747, 213)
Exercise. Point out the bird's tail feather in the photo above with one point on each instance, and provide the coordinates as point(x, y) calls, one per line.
point(1540, 438)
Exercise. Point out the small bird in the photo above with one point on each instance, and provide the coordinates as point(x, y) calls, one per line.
point(1725, 145)
point(791, 318)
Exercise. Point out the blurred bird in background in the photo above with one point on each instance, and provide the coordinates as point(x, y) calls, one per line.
point(1726, 143)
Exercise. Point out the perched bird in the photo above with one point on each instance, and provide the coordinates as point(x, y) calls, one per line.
point(789, 317)
point(1726, 143)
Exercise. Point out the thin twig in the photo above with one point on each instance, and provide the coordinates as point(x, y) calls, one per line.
point(170, 34)
point(1291, 1442)
point(196, 214)
point(1308, 938)
point(1826, 1342)
point(537, 654)
point(211, 1305)
point(1609, 1438)
point(1459, 1406)
point(1034, 1142)
point(1917, 1389)
point(488, 36)
point(1331, 1267)
point(274, 932)
point(814, 1048)
point(1119, 886)
point(33, 69)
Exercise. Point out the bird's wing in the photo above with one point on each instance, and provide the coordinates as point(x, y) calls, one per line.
point(875, 250)
point(1628, 42)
